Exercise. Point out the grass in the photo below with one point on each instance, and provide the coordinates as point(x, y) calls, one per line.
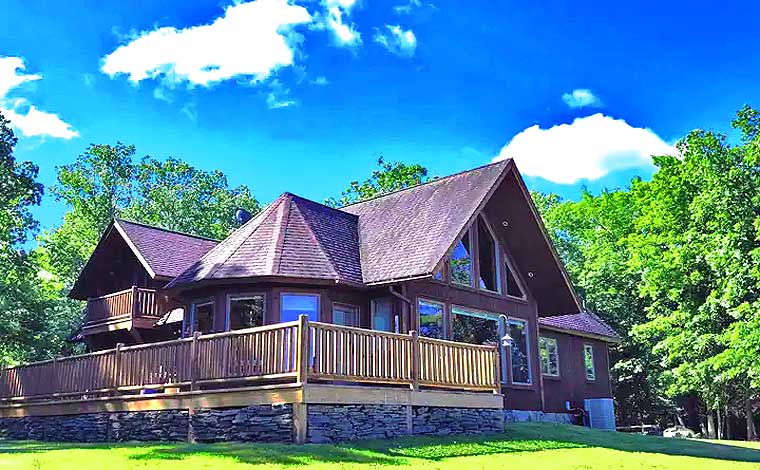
point(522, 446)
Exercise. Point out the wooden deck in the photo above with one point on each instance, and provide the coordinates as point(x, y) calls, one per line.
point(135, 306)
point(296, 353)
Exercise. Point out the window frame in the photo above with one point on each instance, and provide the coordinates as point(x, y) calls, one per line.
point(199, 303)
point(472, 252)
point(501, 325)
point(497, 257)
point(528, 354)
point(394, 323)
point(507, 260)
point(355, 308)
point(556, 352)
point(444, 311)
point(589, 348)
point(301, 294)
point(243, 296)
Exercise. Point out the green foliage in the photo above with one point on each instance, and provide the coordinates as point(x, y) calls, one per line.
point(673, 265)
point(388, 178)
point(105, 182)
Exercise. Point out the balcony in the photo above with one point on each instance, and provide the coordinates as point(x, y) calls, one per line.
point(133, 307)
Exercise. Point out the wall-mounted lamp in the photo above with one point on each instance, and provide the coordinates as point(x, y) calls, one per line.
point(506, 341)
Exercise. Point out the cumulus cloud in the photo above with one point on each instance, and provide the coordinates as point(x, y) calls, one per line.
point(336, 19)
point(250, 40)
point(279, 96)
point(581, 98)
point(24, 116)
point(396, 40)
point(588, 148)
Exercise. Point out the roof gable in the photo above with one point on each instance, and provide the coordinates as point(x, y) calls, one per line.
point(406, 234)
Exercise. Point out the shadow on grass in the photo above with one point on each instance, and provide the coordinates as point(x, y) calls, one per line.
point(527, 437)
point(720, 450)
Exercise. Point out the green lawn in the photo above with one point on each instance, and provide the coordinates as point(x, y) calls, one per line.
point(523, 446)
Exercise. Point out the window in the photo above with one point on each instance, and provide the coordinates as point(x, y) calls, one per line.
point(588, 359)
point(547, 347)
point(201, 318)
point(346, 315)
point(513, 287)
point(487, 256)
point(245, 311)
point(520, 353)
point(475, 327)
point(431, 318)
point(461, 262)
point(438, 274)
point(382, 315)
point(293, 305)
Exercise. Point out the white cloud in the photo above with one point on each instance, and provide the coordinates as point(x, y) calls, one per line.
point(24, 116)
point(580, 98)
point(320, 81)
point(250, 40)
point(190, 110)
point(335, 19)
point(397, 41)
point(279, 96)
point(412, 5)
point(588, 148)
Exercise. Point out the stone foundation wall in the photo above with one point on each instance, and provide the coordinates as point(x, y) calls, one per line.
point(520, 416)
point(261, 423)
point(335, 423)
point(446, 421)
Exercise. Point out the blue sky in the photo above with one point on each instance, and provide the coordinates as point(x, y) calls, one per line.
point(304, 96)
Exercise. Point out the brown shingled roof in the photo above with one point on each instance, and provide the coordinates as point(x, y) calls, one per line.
point(405, 234)
point(166, 252)
point(292, 237)
point(586, 323)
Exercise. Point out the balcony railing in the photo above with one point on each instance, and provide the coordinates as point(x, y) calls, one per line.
point(134, 302)
point(297, 351)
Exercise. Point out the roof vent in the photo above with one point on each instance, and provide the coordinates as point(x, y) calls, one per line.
point(242, 216)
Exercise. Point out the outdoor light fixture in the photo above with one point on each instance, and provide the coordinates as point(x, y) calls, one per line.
point(506, 341)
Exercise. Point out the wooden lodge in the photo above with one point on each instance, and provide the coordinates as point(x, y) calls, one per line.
point(448, 294)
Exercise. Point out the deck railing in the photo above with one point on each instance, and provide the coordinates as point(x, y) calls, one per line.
point(130, 303)
point(298, 351)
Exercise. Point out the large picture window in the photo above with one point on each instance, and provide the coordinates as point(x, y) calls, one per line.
point(520, 352)
point(547, 347)
point(487, 258)
point(201, 318)
point(474, 327)
point(245, 311)
point(588, 359)
point(293, 305)
point(431, 318)
point(346, 315)
point(461, 262)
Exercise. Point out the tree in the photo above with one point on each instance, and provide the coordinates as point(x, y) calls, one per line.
point(30, 323)
point(105, 182)
point(388, 178)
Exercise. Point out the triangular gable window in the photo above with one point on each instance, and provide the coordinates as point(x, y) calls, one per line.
point(487, 258)
point(513, 286)
point(461, 261)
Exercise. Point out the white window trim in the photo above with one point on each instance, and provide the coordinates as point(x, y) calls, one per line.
point(590, 349)
point(193, 305)
point(302, 294)
point(496, 258)
point(443, 313)
point(344, 305)
point(473, 282)
point(556, 350)
point(528, 348)
point(244, 296)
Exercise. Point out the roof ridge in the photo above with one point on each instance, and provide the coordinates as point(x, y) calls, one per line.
point(262, 215)
point(335, 209)
point(164, 229)
point(282, 228)
point(315, 238)
point(434, 180)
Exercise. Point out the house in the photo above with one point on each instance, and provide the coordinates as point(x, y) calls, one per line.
point(452, 284)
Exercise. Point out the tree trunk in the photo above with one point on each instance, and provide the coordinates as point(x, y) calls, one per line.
point(720, 424)
point(751, 432)
point(711, 432)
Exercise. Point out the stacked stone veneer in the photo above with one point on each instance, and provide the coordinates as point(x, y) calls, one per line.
point(260, 423)
point(520, 416)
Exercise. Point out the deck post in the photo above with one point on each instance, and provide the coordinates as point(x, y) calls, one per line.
point(117, 367)
point(135, 303)
point(497, 370)
point(415, 384)
point(193, 359)
point(302, 355)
